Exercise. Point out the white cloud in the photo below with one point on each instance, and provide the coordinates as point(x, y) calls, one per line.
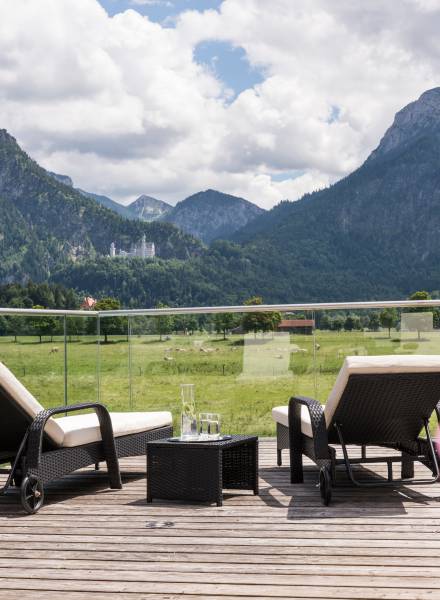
point(121, 106)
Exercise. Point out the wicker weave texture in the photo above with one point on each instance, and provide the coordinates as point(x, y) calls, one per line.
point(200, 471)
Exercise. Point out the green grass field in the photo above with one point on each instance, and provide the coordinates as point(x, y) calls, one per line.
point(219, 369)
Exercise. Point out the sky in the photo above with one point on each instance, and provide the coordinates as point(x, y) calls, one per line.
point(264, 99)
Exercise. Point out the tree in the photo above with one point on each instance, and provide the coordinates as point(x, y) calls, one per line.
point(421, 295)
point(3, 326)
point(164, 323)
point(338, 323)
point(40, 325)
point(374, 322)
point(76, 326)
point(259, 321)
point(224, 322)
point(15, 326)
point(352, 322)
point(325, 322)
point(111, 325)
point(388, 318)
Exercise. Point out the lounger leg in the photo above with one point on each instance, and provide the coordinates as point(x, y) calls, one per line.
point(114, 475)
point(296, 466)
point(279, 458)
point(407, 466)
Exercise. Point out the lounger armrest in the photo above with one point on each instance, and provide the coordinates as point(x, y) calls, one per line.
point(317, 421)
point(36, 432)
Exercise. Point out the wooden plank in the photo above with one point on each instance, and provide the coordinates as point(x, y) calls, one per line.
point(99, 543)
point(210, 590)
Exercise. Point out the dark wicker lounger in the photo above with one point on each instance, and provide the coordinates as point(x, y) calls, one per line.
point(41, 448)
point(376, 400)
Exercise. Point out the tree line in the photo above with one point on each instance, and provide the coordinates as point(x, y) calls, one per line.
point(56, 296)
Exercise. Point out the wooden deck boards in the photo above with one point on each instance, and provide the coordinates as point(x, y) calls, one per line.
point(89, 542)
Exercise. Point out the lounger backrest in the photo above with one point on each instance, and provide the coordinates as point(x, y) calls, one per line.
point(377, 398)
point(18, 408)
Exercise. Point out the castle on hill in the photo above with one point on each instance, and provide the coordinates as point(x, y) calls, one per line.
point(143, 250)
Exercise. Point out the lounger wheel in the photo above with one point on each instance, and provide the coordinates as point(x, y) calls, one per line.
point(32, 494)
point(325, 486)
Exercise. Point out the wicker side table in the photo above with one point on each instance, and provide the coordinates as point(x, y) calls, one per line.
point(200, 471)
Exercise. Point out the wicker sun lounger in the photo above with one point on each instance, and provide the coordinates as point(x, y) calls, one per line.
point(41, 448)
point(376, 400)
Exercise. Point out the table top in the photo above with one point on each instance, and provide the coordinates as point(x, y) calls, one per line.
point(235, 440)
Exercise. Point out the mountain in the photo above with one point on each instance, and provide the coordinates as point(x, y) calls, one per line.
point(45, 224)
point(210, 215)
point(416, 120)
point(120, 209)
point(374, 234)
point(148, 208)
point(103, 200)
point(65, 179)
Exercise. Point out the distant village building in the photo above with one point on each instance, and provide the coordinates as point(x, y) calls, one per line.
point(297, 325)
point(143, 250)
point(88, 303)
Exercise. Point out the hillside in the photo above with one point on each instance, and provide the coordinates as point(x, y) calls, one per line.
point(109, 203)
point(148, 208)
point(45, 223)
point(210, 215)
point(374, 233)
point(103, 200)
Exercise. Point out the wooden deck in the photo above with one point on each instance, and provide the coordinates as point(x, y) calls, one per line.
point(90, 543)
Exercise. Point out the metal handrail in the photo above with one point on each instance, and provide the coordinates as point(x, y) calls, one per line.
point(31, 312)
point(312, 306)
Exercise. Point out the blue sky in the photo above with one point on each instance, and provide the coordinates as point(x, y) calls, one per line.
point(159, 10)
point(226, 62)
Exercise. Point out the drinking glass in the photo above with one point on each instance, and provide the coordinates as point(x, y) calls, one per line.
point(209, 424)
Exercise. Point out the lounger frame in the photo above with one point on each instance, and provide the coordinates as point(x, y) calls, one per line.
point(38, 458)
point(387, 410)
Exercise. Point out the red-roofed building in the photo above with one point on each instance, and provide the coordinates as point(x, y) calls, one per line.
point(88, 303)
point(297, 325)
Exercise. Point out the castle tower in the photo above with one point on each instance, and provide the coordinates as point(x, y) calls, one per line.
point(112, 250)
point(144, 247)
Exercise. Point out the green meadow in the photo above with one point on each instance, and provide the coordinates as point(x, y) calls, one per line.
point(240, 381)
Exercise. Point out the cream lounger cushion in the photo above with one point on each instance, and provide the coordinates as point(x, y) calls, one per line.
point(83, 429)
point(80, 429)
point(404, 363)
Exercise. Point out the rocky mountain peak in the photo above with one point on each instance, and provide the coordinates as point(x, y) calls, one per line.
point(411, 122)
point(6, 137)
point(64, 179)
point(148, 208)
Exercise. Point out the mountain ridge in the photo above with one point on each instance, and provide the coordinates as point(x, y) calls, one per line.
point(210, 214)
point(54, 224)
point(148, 208)
point(372, 235)
point(383, 219)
